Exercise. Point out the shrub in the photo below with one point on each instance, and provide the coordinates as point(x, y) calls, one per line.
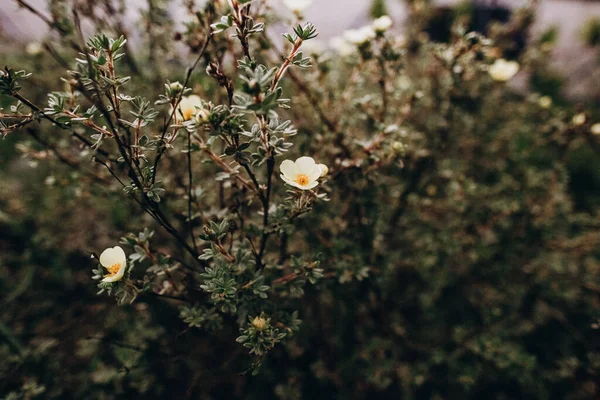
point(436, 248)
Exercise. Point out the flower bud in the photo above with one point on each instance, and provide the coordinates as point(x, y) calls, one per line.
point(34, 48)
point(382, 24)
point(202, 116)
point(503, 70)
point(259, 323)
point(579, 119)
point(595, 129)
point(253, 85)
point(398, 147)
point(175, 88)
point(545, 102)
point(324, 170)
point(431, 190)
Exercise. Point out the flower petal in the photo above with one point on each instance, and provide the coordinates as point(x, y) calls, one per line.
point(288, 168)
point(305, 164)
point(187, 106)
point(112, 256)
point(316, 174)
point(292, 183)
point(308, 167)
point(311, 185)
point(118, 276)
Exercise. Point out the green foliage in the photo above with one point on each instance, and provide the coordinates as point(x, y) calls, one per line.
point(9, 84)
point(378, 9)
point(591, 32)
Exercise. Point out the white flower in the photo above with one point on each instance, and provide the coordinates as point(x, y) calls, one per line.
point(34, 48)
point(297, 6)
point(579, 119)
point(595, 129)
point(187, 107)
point(382, 24)
point(302, 174)
point(360, 36)
point(341, 46)
point(545, 101)
point(114, 260)
point(503, 70)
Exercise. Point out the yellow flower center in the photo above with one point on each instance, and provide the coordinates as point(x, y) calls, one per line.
point(302, 179)
point(188, 113)
point(113, 269)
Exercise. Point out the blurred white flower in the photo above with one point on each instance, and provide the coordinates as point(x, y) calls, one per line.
point(398, 147)
point(114, 260)
point(595, 129)
point(50, 180)
point(313, 46)
point(579, 119)
point(34, 48)
point(458, 69)
point(297, 6)
point(545, 101)
point(503, 70)
point(399, 40)
point(341, 46)
point(360, 36)
point(382, 24)
point(403, 82)
point(187, 107)
point(302, 174)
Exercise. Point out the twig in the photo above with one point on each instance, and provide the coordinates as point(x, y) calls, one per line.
point(12, 341)
point(255, 181)
point(227, 168)
point(265, 236)
point(29, 104)
point(383, 86)
point(166, 296)
point(240, 18)
point(190, 188)
point(47, 20)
